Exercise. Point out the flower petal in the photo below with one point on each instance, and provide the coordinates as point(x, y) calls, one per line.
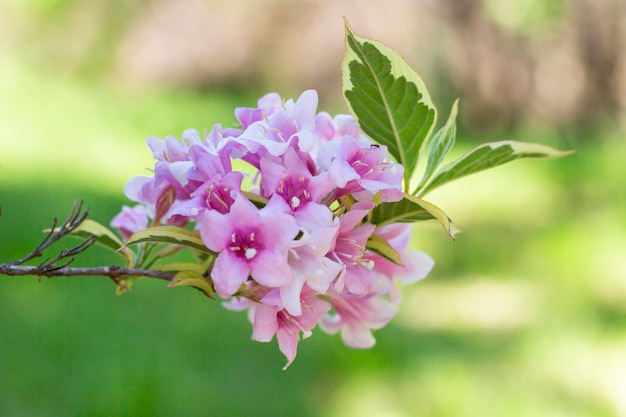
point(229, 272)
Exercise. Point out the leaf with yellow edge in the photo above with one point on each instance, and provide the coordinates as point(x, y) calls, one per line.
point(170, 234)
point(124, 285)
point(388, 98)
point(409, 210)
point(192, 279)
point(104, 237)
point(181, 266)
point(380, 246)
point(489, 155)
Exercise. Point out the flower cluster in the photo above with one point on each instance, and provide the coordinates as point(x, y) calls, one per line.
point(283, 202)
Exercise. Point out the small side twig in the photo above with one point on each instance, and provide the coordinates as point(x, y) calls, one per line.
point(74, 220)
point(59, 265)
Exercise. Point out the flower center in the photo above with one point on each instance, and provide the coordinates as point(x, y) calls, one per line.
point(244, 244)
point(294, 190)
point(219, 198)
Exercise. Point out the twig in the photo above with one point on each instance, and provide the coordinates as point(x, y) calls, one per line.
point(74, 220)
point(114, 272)
point(51, 268)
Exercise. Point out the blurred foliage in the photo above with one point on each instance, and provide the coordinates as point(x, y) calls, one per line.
point(531, 17)
point(525, 314)
point(556, 62)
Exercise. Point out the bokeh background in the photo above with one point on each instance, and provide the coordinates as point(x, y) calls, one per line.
point(525, 314)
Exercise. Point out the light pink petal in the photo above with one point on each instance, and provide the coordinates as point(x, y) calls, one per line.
point(276, 230)
point(320, 185)
point(215, 230)
point(354, 216)
point(357, 335)
point(313, 309)
point(359, 280)
point(270, 268)
point(269, 103)
point(314, 216)
point(243, 213)
point(318, 271)
point(304, 110)
point(341, 172)
point(134, 189)
point(379, 312)
point(331, 324)
point(229, 272)
point(265, 323)
point(324, 125)
point(290, 295)
point(271, 174)
point(346, 125)
point(288, 344)
point(418, 266)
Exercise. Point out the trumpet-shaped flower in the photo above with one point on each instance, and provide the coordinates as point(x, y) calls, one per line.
point(270, 318)
point(131, 220)
point(249, 242)
point(356, 316)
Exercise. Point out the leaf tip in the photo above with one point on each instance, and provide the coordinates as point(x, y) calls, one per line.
point(453, 230)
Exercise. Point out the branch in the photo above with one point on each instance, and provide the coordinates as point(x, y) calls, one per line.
point(70, 224)
point(51, 268)
point(116, 273)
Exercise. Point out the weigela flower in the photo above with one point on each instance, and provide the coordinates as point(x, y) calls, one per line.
point(249, 242)
point(270, 319)
point(288, 230)
point(130, 220)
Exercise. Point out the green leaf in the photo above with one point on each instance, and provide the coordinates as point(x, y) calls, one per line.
point(489, 155)
point(181, 266)
point(380, 246)
point(192, 279)
point(256, 199)
point(104, 237)
point(124, 285)
point(170, 234)
point(439, 145)
point(388, 98)
point(409, 210)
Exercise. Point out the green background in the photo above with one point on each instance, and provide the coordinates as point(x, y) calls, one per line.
point(525, 314)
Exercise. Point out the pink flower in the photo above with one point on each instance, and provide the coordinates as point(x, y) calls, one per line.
point(249, 242)
point(308, 261)
point(356, 316)
point(268, 104)
point(130, 220)
point(270, 318)
point(216, 194)
point(292, 180)
point(284, 125)
point(349, 249)
point(358, 167)
point(417, 265)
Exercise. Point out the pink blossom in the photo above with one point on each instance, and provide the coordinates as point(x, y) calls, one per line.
point(270, 318)
point(308, 261)
point(216, 194)
point(249, 242)
point(300, 249)
point(358, 167)
point(272, 135)
point(291, 179)
point(349, 249)
point(356, 316)
point(130, 220)
point(416, 265)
